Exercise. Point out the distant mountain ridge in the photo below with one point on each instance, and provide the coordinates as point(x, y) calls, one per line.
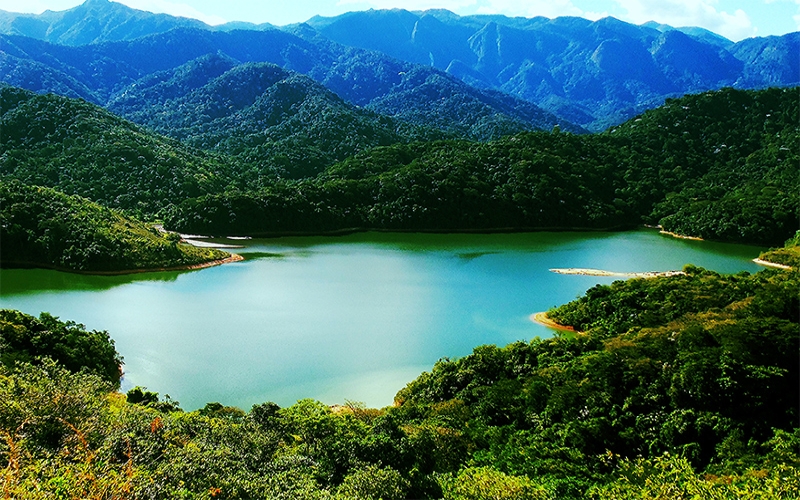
point(99, 72)
point(98, 21)
point(593, 73)
point(590, 73)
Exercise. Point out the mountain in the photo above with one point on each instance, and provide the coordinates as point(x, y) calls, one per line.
point(93, 21)
point(272, 120)
point(365, 78)
point(82, 149)
point(591, 73)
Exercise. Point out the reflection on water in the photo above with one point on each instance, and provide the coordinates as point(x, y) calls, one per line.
point(352, 317)
point(25, 281)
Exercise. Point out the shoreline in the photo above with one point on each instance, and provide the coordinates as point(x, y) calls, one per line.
point(681, 236)
point(600, 272)
point(541, 318)
point(234, 257)
point(766, 263)
point(488, 230)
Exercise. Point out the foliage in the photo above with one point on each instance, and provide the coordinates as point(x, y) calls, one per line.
point(788, 255)
point(484, 483)
point(726, 175)
point(722, 165)
point(24, 339)
point(272, 121)
point(45, 228)
point(82, 149)
point(705, 369)
point(672, 477)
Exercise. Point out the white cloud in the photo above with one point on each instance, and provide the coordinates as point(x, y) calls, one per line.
point(36, 6)
point(680, 13)
point(533, 8)
point(453, 5)
point(173, 9)
point(528, 8)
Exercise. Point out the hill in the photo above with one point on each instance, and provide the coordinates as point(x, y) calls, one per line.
point(82, 149)
point(272, 120)
point(590, 73)
point(44, 228)
point(719, 165)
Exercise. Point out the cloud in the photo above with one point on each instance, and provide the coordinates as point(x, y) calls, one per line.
point(680, 13)
point(528, 8)
point(453, 5)
point(173, 9)
point(36, 6)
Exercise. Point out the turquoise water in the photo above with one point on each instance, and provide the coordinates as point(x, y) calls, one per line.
point(341, 318)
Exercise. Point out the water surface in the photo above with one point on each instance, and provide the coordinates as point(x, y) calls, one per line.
point(341, 318)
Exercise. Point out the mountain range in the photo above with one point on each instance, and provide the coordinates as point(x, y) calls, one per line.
point(519, 72)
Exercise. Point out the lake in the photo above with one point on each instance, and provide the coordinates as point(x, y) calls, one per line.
point(342, 318)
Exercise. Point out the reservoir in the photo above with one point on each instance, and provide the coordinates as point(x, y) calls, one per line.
point(350, 318)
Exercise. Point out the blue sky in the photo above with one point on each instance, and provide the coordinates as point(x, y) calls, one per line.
point(735, 19)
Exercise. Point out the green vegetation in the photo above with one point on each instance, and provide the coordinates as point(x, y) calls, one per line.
point(44, 228)
point(679, 387)
point(719, 165)
point(788, 255)
point(81, 149)
point(273, 122)
point(26, 339)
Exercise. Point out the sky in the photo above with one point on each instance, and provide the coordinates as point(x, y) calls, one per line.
point(734, 19)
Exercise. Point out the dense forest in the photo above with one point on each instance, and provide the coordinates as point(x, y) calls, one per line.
point(719, 165)
point(41, 227)
point(675, 387)
point(81, 149)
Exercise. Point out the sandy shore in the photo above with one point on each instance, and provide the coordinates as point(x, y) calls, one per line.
point(680, 236)
point(210, 244)
point(542, 319)
point(600, 272)
point(767, 263)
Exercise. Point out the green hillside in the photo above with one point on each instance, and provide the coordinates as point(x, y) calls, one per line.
point(81, 149)
point(272, 121)
point(724, 175)
point(41, 227)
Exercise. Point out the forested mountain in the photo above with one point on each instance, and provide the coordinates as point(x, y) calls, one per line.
point(97, 21)
point(85, 150)
point(594, 74)
point(721, 165)
point(101, 72)
point(273, 121)
point(41, 227)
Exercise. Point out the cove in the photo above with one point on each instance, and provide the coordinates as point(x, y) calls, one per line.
point(342, 318)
